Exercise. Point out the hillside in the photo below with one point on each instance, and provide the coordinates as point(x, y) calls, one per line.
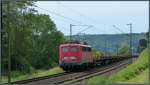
point(131, 74)
point(139, 79)
point(112, 41)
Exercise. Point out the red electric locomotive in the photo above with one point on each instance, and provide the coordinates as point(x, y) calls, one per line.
point(75, 55)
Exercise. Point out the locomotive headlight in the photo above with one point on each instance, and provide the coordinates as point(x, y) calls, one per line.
point(70, 57)
point(65, 57)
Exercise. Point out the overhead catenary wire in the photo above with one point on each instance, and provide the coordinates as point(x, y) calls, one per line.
point(84, 29)
point(82, 15)
point(88, 18)
point(118, 29)
point(77, 12)
point(68, 18)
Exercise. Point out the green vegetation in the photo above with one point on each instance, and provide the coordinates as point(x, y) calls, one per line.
point(31, 39)
point(124, 50)
point(132, 70)
point(97, 53)
point(114, 41)
point(147, 36)
point(38, 73)
point(139, 79)
point(128, 73)
point(97, 80)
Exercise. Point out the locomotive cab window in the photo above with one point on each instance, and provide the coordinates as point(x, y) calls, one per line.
point(89, 49)
point(73, 49)
point(86, 49)
point(64, 49)
point(83, 49)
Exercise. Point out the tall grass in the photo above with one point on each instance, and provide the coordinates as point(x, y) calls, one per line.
point(127, 73)
point(139, 79)
point(132, 70)
point(16, 76)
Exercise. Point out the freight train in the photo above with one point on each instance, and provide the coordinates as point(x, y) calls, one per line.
point(76, 55)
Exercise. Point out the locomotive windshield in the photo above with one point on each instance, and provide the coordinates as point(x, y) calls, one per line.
point(71, 49)
point(65, 49)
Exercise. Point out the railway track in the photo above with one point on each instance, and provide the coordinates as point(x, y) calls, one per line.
point(38, 78)
point(73, 77)
point(95, 72)
point(98, 72)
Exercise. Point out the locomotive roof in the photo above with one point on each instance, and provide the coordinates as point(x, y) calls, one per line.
point(75, 45)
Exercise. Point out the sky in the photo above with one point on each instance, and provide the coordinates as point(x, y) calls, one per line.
point(97, 17)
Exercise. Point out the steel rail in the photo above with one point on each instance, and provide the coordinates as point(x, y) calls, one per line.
point(38, 78)
point(65, 74)
point(94, 73)
point(98, 73)
point(77, 75)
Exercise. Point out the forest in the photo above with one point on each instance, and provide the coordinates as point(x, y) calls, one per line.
point(110, 43)
point(29, 38)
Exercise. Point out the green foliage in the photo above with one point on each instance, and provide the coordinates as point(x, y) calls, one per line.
point(97, 80)
point(132, 70)
point(97, 53)
point(142, 78)
point(127, 73)
point(16, 76)
point(147, 36)
point(142, 45)
point(124, 50)
point(34, 38)
point(114, 41)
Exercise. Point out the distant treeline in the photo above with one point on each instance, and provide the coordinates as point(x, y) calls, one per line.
point(110, 43)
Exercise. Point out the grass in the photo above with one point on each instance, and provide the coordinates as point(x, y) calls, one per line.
point(97, 80)
point(16, 76)
point(139, 79)
point(127, 73)
point(132, 70)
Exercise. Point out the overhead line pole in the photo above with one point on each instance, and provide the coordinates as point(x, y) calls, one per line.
point(105, 47)
point(1, 46)
point(149, 44)
point(117, 49)
point(130, 24)
point(70, 32)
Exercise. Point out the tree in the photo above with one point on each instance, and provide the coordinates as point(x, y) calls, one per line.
point(142, 45)
point(14, 31)
point(34, 38)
